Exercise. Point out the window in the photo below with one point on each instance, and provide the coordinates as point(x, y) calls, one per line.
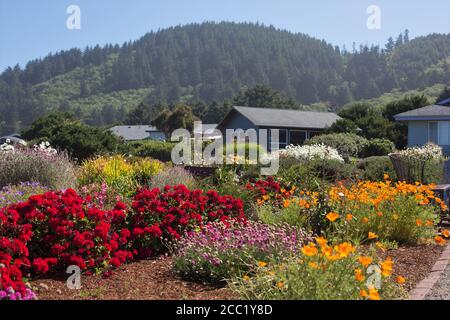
point(297, 137)
point(282, 138)
point(439, 132)
point(433, 132)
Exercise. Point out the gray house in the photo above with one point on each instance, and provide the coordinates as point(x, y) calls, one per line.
point(138, 133)
point(428, 124)
point(294, 126)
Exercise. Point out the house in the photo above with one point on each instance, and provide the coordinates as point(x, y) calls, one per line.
point(13, 138)
point(207, 130)
point(138, 133)
point(428, 124)
point(294, 126)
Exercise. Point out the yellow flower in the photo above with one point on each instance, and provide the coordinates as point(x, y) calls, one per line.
point(386, 176)
point(365, 220)
point(372, 235)
point(439, 240)
point(429, 223)
point(280, 285)
point(373, 294)
point(363, 294)
point(286, 203)
point(262, 264)
point(349, 217)
point(246, 278)
point(379, 213)
point(359, 275)
point(321, 241)
point(332, 216)
point(395, 216)
point(310, 250)
point(446, 233)
point(386, 267)
point(344, 249)
point(419, 222)
point(313, 265)
point(365, 261)
point(400, 280)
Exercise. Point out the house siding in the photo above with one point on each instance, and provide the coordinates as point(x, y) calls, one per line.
point(417, 133)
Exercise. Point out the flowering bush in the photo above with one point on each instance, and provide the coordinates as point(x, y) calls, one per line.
point(310, 152)
point(57, 229)
point(101, 195)
point(430, 151)
point(10, 294)
point(172, 176)
point(322, 272)
point(271, 190)
point(388, 211)
point(217, 253)
point(22, 164)
point(122, 175)
point(165, 215)
point(14, 194)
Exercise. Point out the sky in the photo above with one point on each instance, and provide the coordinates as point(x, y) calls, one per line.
point(32, 29)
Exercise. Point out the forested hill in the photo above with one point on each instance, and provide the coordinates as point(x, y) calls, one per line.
point(212, 62)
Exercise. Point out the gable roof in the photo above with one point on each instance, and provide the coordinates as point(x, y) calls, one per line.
point(433, 112)
point(288, 118)
point(134, 132)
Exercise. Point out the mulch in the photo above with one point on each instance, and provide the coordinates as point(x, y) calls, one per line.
point(142, 280)
point(154, 279)
point(413, 262)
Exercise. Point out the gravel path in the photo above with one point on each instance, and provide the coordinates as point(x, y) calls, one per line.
point(441, 290)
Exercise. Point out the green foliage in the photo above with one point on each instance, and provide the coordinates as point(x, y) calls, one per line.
point(262, 96)
point(347, 144)
point(101, 85)
point(343, 126)
point(159, 150)
point(315, 174)
point(181, 117)
point(445, 94)
point(290, 215)
point(377, 147)
point(65, 133)
point(374, 168)
point(55, 171)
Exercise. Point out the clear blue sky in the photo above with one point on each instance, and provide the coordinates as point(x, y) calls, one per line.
point(31, 29)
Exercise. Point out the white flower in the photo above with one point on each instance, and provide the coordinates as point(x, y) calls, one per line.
point(430, 151)
point(45, 147)
point(310, 152)
point(7, 146)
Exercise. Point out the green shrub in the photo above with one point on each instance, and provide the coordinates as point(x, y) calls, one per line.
point(377, 147)
point(56, 171)
point(374, 168)
point(347, 144)
point(291, 215)
point(311, 276)
point(172, 177)
point(159, 150)
point(218, 252)
point(230, 150)
point(309, 175)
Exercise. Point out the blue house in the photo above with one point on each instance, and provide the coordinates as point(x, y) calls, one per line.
point(294, 126)
point(428, 124)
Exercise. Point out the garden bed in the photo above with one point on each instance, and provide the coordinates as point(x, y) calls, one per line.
point(154, 280)
point(142, 280)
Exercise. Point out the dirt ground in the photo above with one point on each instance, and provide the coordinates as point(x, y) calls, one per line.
point(154, 280)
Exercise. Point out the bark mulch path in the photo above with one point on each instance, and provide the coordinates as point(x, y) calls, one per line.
point(413, 262)
point(143, 280)
point(154, 279)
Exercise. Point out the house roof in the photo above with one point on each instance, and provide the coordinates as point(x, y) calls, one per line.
point(433, 112)
point(269, 117)
point(134, 132)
